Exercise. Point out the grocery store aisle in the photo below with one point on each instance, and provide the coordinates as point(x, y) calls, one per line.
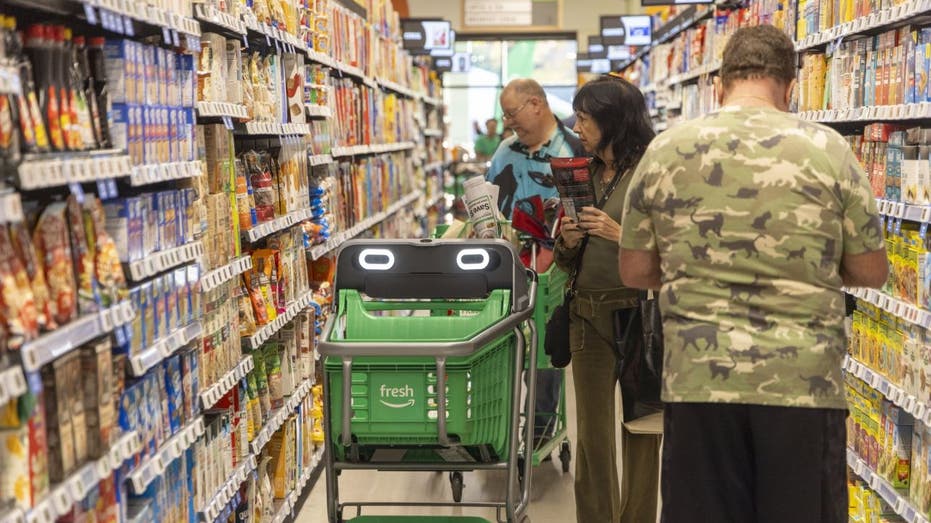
point(552, 498)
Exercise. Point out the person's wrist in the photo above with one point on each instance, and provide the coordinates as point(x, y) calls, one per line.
point(566, 243)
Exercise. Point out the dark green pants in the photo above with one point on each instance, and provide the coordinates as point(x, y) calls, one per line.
point(599, 496)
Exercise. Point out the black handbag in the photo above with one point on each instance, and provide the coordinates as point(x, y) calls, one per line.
point(639, 350)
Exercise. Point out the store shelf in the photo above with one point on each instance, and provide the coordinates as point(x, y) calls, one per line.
point(217, 277)
point(162, 261)
point(12, 384)
point(221, 110)
point(904, 211)
point(320, 159)
point(59, 169)
point(154, 466)
point(898, 501)
point(149, 14)
point(63, 496)
point(361, 150)
point(878, 21)
point(226, 492)
point(277, 418)
point(212, 15)
point(274, 36)
point(919, 111)
point(688, 76)
point(165, 172)
point(434, 166)
point(894, 306)
point(273, 129)
point(689, 17)
point(11, 207)
point(396, 88)
point(318, 111)
point(433, 133)
point(164, 348)
point(435, 102)
point(279, 224)
point(335, 241)
point(892, 392)
point(211, 395)
point(354, 72)
point(270, 329)
point(49, 347)
point(320, 58)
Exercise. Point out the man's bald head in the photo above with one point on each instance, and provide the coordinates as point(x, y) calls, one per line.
point(525, 88)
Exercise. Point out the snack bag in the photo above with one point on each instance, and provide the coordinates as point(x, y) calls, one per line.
point(108, 269)
point(26, 252)
point(54, 250)
point(88, 291)
point(17, 305)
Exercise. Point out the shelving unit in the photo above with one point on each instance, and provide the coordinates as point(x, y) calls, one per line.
point(164, 348)
point(897, 501)
point(212, 394)
point(57, 170)
point(164, 172)
point(321, 250)
point(276, 420)
point(154, 466)
point(223, 496)
point(267, 331)
point(165, 260)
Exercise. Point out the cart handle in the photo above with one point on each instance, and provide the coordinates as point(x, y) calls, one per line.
point(355, 349)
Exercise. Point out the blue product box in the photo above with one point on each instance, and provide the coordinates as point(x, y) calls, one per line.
point(175, 392)
point(120, 217)
point(119, 61)
point(187, 80)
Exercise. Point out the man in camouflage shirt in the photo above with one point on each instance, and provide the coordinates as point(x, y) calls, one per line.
point(749, 221)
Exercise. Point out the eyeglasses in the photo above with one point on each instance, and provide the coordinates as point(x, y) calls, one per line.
point(511, 115)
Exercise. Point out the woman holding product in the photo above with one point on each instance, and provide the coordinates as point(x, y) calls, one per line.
point(613, 125)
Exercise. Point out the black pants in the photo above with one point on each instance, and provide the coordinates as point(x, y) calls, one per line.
point(746, 463)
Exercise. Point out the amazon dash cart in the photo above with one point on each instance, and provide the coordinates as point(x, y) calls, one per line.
point(429, 392)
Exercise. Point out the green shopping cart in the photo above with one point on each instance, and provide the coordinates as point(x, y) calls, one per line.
point(424, 352)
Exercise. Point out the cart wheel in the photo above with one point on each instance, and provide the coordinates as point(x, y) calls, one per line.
point(455, 481)
point(565, 456)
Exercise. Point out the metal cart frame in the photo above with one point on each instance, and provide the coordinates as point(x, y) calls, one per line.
point(517, 496)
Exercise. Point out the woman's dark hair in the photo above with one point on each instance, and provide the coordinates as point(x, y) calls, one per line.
point(620, 111)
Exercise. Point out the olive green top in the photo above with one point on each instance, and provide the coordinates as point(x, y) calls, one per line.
point(599, 272)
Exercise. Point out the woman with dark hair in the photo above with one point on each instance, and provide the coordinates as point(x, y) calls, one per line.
point(614, 126)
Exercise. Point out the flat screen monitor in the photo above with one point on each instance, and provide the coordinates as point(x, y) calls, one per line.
point(449, 51)
point(633, 30)
point(617, 52)
point(595, 48)
point(442, 64)
point(583, 63)
point(421, 36)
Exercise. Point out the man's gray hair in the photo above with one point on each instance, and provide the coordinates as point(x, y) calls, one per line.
point(526, 88)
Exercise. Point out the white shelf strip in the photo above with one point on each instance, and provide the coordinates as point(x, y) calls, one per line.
point(217, 277)
point(699, 71)
point(11, 208)
point(164, 348)
point(337, 239)
point(289, 220)
point(896, 307)
point(226, 492)
point(221, 109)
point(153, 467)
point(318, 111)
point(12, 384)
point(164, 172)
point(209, 13)
point(277, 419)
point(397, 88)
point(59, 501)
point(435, 102)
point(892, 392)
point(49, 347)
point(274, 129)
point(357, 150)
point(864, 24)
point(320, 159)
point(916, 111)
point(162, 261)
point(270, 329)
point(42, 171)
point(150, 15)
point(433, 133)
point(320, 58)
point(899, 502)
point(211, 395)
point(289, 42)
point(905, 211)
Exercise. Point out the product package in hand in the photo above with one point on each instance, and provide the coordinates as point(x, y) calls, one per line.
point(573, 177)
point(481, 200)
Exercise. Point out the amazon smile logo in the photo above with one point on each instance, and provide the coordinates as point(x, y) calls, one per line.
point(397, 395)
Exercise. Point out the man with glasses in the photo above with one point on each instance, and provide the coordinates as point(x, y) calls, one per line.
point(520, 168)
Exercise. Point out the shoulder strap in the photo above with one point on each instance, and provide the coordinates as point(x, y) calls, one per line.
point(578, 258)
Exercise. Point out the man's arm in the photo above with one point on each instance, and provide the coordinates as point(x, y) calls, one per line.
point(869, 269)
point(640, 269)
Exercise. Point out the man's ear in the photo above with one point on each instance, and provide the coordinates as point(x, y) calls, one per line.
point(719, 90)
point(788, 93)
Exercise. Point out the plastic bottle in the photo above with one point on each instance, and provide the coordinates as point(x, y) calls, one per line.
point(9, 135)
point(31, 126)
point(98, 79)
point(80, 111)
point(40, 50)
point(61, 69)
point(481, 208)
point(85, 84)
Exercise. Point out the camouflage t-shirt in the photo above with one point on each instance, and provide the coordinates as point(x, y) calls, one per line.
point(751, 211)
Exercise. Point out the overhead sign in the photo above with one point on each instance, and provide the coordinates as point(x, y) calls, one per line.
point(421, 36)
point(633, 30)
point(497, 13)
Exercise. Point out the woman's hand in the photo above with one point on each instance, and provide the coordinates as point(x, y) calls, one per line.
point(596, 222)
point(570, 233)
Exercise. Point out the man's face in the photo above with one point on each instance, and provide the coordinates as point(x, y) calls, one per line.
point(519, 113)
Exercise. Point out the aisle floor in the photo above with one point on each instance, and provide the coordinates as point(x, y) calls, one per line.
point(552, 497)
